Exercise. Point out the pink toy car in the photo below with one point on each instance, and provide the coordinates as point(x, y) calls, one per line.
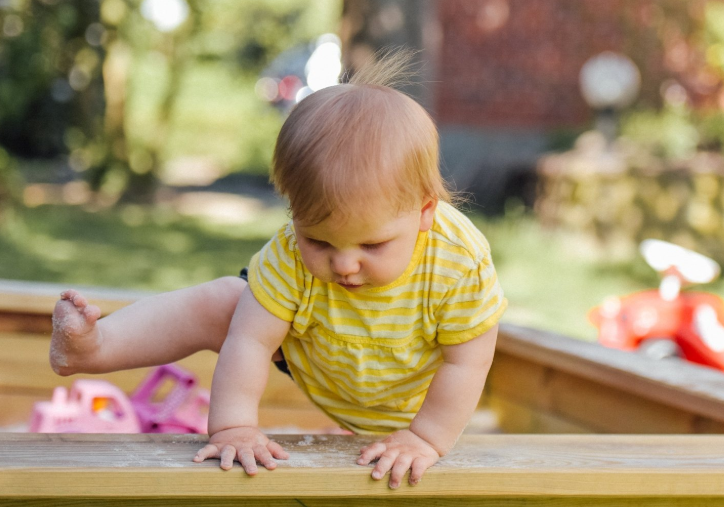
point(183, 410)
point(92, 406)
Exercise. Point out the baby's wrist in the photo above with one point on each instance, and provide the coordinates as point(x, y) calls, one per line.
point(423, 433)
point(213, 430)
point(222, 425)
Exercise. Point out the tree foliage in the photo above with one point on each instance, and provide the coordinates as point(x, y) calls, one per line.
point(690, 117)
point(68, 67)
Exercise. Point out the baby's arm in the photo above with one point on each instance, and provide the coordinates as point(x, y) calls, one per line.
point(453, 395)
point(239, 380)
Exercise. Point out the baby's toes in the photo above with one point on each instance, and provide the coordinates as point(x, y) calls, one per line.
point(79, 301)
point(68, 294)
point(68, 319)
point(91, 313)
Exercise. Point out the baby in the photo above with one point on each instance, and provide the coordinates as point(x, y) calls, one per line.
point(378, 298)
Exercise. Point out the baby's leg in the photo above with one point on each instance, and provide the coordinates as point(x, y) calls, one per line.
point(156, 330)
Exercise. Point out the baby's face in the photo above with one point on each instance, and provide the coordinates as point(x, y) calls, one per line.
point(365, 250)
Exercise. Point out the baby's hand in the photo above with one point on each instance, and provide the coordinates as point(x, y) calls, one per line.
point(400, 452)
point(246, 444)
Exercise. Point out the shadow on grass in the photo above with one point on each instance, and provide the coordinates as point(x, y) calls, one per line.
point(138, 248)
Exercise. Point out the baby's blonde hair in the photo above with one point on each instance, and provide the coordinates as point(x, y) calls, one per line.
point(344, 145)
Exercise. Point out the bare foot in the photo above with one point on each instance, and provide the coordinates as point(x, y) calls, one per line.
point(76, 338)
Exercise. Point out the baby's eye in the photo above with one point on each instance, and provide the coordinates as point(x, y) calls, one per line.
point(374, 246)
point(317, 243)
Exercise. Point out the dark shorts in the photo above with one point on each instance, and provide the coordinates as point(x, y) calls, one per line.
point(282, 363)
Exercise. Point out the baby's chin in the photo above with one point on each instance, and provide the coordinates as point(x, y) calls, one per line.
point(352, 287)
point(363, 286)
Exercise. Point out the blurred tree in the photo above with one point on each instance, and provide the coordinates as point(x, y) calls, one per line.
point(10, 186)
point(369, 26)
point(690, 116)
point(50, 55)
point(135, 162)
point(66, 70)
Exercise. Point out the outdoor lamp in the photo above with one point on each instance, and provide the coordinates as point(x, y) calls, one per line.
point(609, 83)
point(166, 15)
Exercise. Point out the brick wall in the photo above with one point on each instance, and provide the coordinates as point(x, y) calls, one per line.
point(516, 62)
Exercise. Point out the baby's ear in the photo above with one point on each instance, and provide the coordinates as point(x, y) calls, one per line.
point(427, 213)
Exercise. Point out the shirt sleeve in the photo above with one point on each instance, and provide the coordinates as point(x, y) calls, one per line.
point(276, 276)
point(472, 306)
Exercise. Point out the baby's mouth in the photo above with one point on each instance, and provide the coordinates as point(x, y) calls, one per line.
point(350, 286)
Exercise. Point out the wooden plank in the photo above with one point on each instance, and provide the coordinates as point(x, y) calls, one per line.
point(17, 408)
point(26, 367)
point(26, 307)
point(573, 382)
point(26, 377)
point(40, 298)
point(18, 322)
point(393, 500)
point(581, 402)
point(603, 389)
point(513, 417)
point(323, 466)
point(398, 501)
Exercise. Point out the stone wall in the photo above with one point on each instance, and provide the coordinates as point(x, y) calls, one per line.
point(619, 194)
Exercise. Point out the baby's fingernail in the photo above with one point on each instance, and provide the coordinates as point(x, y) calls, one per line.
point(376, 475)
point(394, 486)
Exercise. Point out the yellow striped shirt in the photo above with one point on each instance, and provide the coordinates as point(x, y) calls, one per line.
point(367, 358)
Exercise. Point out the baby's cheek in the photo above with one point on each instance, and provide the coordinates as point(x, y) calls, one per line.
point(316, 266)
point(384, 273)
point(314, 263)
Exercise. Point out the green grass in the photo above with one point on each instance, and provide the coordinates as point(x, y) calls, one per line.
point(551, 280)
point(217, 115)
point(132, 247)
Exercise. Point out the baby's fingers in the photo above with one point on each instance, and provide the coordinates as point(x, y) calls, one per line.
point(228, 453)
point(384, 464)
point(248, 461)
point(277, 451)
point(371, 453)
point(208, 451)
point(399, 469)
point(418, 468)
point(264, 457)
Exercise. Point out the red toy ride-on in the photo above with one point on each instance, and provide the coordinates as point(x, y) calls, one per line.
point(668, 322)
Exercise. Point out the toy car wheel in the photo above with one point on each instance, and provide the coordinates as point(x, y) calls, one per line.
point(660, 348)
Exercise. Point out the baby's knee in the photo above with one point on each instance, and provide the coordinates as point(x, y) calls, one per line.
point(230, 285)
point(225, 292)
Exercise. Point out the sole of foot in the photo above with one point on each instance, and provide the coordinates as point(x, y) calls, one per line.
point(76, 337)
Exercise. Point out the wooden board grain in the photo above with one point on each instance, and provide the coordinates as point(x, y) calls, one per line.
point(39, 298)
point(391, 501)
point(541, 381)
point(26, 307)
point(25, 366)
point(26, 377)
point(322, 466)
point(600, 389)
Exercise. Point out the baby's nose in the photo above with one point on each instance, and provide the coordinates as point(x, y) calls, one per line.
point(344, 264)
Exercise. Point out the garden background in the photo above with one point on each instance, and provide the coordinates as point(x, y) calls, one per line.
point(135, 141)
